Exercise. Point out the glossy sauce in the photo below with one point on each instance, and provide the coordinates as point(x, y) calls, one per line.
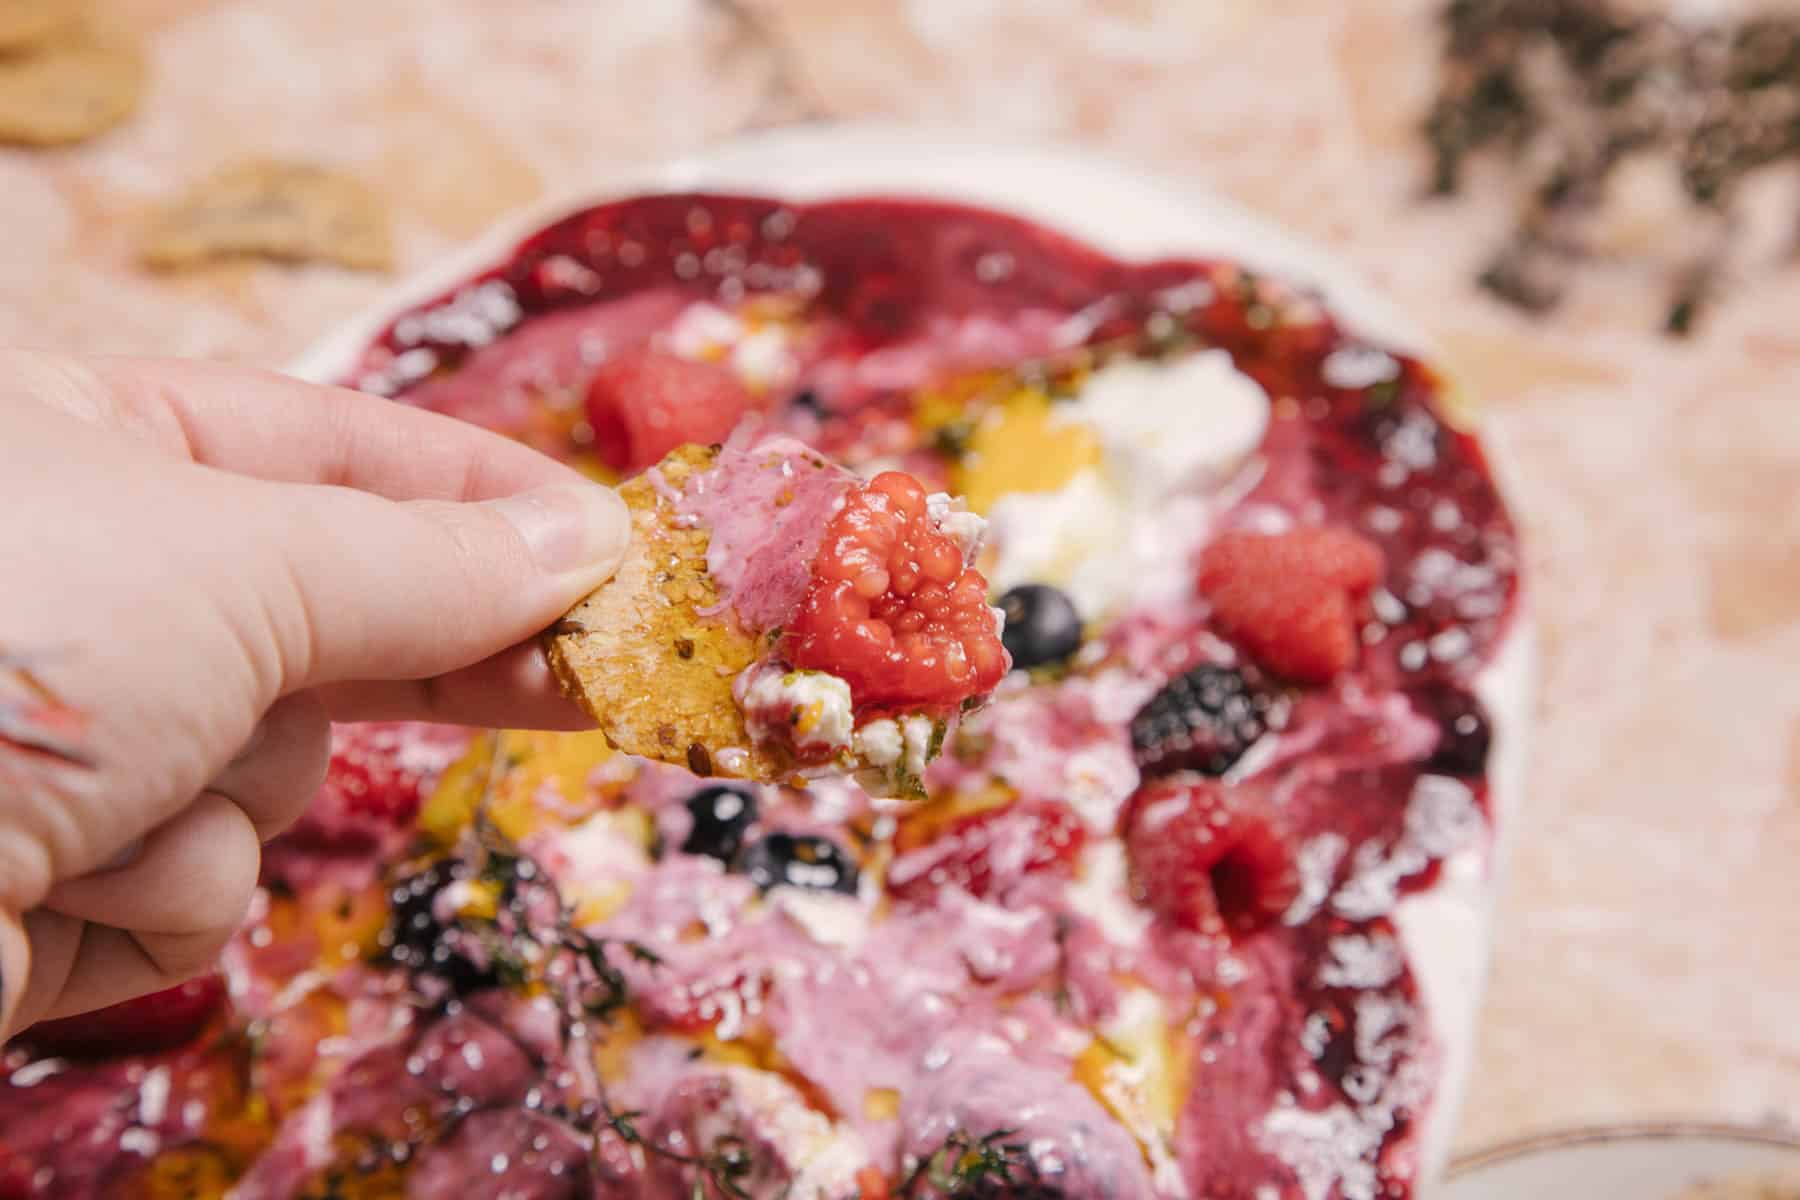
point(1309, 1057)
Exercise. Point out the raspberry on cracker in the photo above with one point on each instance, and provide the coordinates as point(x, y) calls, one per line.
point(777, 617)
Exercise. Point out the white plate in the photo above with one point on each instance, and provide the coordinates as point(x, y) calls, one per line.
point(1091, 197)
point(1634, 1162)
point(1129, 216)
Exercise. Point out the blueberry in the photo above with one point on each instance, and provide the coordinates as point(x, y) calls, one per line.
point(1042, 626)
point(799, 860)
point(1203, 721)
point(721, 814)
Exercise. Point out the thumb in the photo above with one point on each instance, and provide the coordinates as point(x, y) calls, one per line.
point(358, 587)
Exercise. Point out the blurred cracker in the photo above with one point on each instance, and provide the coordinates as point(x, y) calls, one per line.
point(643, 660)
point(70, 88)
point(27, 24)
point(290, 212)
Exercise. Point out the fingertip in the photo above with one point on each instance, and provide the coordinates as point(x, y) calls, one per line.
point(196, 874)
point(283, 765)
point(15, 960)
point(514, 689)
point(576, 532)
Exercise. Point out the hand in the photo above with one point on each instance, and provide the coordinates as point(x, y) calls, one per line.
point(200, 568)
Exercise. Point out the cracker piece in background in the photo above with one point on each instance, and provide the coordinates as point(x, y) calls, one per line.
point(28, 24)
point(69, 89)
point(290, 212)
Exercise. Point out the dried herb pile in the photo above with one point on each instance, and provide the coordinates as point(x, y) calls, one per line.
point(1568, 91)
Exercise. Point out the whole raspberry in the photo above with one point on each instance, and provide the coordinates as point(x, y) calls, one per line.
point(1207, 856)
point(641, 404)
point(892, 607)
point(1290, 598)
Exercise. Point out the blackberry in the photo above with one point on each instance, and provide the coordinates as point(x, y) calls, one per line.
point(722, 813)
point(799, 860)
point(417, 940)
point(1463, 732)
point(1042, 626)
point(1203, 721)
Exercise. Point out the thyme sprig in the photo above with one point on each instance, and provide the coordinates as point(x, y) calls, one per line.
point(727, 1164)
point(966, 1167)
point(531, 942)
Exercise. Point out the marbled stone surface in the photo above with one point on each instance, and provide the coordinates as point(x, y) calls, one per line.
point(1648, 960)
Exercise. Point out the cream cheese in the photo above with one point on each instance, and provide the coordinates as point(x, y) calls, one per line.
point(968, 530)
point(759, 354)
point(1165, 426)
point(1171, 434)
point(811, 709)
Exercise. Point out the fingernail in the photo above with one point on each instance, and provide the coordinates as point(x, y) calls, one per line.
point(571, 527)
point(127, 855)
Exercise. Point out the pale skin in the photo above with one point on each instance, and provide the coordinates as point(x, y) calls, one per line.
point(211, 565)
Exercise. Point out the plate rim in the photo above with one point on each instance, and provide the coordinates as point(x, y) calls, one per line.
point(1659, 1130)
point(750, 160)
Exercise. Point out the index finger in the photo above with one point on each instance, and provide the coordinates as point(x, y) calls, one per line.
point(275, 427)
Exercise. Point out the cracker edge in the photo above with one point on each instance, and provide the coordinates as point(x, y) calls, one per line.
point(651, 511)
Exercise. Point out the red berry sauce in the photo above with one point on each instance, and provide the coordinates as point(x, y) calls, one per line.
point(1266, 873)
point(987, 854)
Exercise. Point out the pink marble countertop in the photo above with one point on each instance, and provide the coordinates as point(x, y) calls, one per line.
point(1648, 961)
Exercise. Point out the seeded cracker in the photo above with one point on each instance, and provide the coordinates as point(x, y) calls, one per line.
point(69, 89)
point(28, 23)
point(640, 655)
point(291, 212)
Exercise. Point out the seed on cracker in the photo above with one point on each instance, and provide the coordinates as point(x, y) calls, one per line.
point(68, 89)
point(27, 24)
point(291, 212)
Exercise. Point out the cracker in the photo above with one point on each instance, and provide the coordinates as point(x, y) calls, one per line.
point(291, 212)
point(69, 90)
point(29, 23)
point(644, 659)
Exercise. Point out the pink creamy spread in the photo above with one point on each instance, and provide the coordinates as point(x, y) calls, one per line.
point(508, 969)
point(766, 506)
